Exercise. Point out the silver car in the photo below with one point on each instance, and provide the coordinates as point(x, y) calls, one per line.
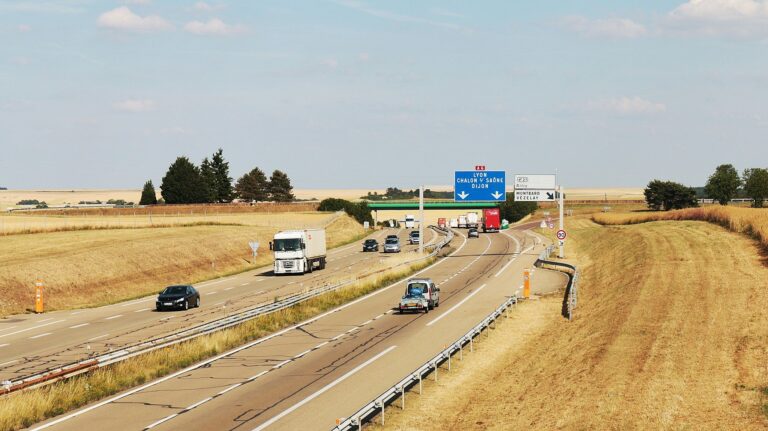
point(392, 245)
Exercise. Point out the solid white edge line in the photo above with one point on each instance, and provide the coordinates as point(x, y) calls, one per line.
point(167, 418)
point(197, 404)
point(450, 310)
point(323, 390)
point(236, 385)
point(233, 351)
point(281, 364)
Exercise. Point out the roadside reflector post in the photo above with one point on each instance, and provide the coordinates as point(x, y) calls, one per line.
point(39, 308)
point(421, 389)
point(402, 390)
point(449, 361)
point(471, 344)
point(380, 404)
point(461, 352)
point(526, 283)
point(435, 365)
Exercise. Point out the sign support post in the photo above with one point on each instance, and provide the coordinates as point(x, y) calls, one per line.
point(561, 253)
point(421, 219)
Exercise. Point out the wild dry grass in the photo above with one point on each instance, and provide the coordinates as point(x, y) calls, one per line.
point(25, 408)
point(670, 333)
point(96, 267)
point(752, 222)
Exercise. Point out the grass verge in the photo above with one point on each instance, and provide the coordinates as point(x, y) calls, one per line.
point(19, 410)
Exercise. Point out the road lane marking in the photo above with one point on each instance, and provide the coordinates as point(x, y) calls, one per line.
point(302, 354)
point(45, 320)
point(212, 293)
point(366, 322)
point(281, 364)
point(96, 338)
point(41, 335)
point(456, 306)
point(79, 326)
point(246, 283)
point(8, 329)
point(4, 345)
point(321, 344)
point(230, 288)
point(143, 309)
point(76, 312)
point(33, 327)
point(197, 404)
point(137, 302)
point(323, 390)
point(114, 317)
point(211, 283)
point(252, 378)
point(337, 337)
point(165, 419)
point(236, 385)
point(9, 362)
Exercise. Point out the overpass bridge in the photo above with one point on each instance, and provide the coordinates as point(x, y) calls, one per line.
point(430, 205)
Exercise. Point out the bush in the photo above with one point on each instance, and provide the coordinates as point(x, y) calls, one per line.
point(28, 202)
point(668, 195)
point(513, 211)
point(359, 211)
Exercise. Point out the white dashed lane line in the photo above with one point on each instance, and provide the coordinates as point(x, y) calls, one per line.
point(100, 336)
point(41, 335)
point(143, 309)
point(9, 362)
point(31, 328)
point(4, 345)
point(79, 326)
point(113, 317)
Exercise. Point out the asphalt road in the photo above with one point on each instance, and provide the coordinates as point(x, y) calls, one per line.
point(308, 376)
point(34, 343)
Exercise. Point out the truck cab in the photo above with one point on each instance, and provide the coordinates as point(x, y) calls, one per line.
point(410, 221)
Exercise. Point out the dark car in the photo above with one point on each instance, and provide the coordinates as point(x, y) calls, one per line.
point(473, 233)
point(371, 245)
point(178, 297)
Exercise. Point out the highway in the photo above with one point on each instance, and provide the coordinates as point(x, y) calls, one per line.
point(305, 377)
point(31, 343)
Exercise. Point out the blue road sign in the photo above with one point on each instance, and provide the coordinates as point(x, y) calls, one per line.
point(479, 186)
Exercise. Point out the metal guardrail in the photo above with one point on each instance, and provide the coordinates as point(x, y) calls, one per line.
point(79, 367)
point(415, 377)
point(571, 291)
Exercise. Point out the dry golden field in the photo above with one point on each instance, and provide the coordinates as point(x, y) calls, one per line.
point(670, 332)
point(93, 267)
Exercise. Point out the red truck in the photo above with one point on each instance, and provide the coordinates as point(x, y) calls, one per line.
point(491, 220)
point(441, 223)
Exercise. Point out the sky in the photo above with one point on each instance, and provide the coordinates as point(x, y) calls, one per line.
point(371, 94)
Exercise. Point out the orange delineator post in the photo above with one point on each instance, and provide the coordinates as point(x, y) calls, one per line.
point(526, 283)
point(39, 296)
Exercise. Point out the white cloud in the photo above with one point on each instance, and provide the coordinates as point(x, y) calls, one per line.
point(214, 26)
point(142, 2)
point(135, 105)
point(123, 19)
point(202, 6)
point(627, 106)
point(331, 63)
point(23, 28)
point(608, 27)
point(720, 17)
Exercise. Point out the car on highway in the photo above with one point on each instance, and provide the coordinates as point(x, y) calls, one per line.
point(392, 237)
point(414, 237)
point(178, 297)
point(392, 245)
point(370, 245)
point(473, 233)
point(423, 288)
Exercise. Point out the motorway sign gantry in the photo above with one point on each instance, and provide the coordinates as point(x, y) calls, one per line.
point(479, 186)
point(535, 182)
point(534, 195)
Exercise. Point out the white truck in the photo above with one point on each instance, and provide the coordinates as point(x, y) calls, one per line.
point(299, 251)
point(454, 223)
point(472, 220)
point(410, 221)
point(462, 221)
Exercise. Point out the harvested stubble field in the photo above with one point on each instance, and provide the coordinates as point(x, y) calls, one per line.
point(670, 333)
point(85, 268)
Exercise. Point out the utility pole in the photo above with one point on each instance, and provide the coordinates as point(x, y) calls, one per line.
point(561, 253)
point(421, 219)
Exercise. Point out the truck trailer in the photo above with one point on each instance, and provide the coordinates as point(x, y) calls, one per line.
point(299, 251)
point(462, 222)
point(491, 220)
point(472, 220)
point(410, 221)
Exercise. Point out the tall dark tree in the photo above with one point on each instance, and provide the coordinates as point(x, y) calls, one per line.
point(209, 178)
point(223, 182)
point(756, 185)
point(253, 186)
point(148, 195)
point(183, 184)
point(513, 211)
point(668, 195)
point(723, 184)
point(280, 188)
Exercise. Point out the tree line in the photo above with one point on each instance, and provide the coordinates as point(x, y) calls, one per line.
point(187, 183)
point(393, 193)
point(723, 185)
